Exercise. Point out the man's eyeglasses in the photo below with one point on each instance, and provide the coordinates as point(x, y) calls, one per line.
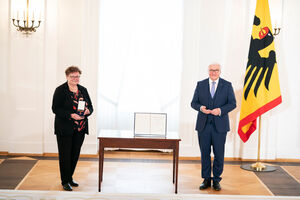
point(73, 77)
point(214, 70)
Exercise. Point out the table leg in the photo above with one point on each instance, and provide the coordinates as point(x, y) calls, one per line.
point(177, 160)
point(174, 158)
point(101, 159)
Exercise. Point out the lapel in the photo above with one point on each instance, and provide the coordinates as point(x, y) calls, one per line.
point(208, 90)
point(67, 92)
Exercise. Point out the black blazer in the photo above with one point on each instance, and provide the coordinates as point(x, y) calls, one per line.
point(62, 108)
point(224, 99)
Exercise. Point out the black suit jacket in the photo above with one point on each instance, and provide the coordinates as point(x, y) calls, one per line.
point(224, 99)
point(62, 108)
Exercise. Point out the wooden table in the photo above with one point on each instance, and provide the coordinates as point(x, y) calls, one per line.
point(126, 139)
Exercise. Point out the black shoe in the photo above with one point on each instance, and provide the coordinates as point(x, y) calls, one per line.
point(206, 184)
point(216, 186)
point(73, 183)
point(67, 187)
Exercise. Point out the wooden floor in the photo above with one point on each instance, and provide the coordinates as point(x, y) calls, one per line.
point(146, 172)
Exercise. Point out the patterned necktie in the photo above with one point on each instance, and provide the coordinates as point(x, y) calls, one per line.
point(212, 91)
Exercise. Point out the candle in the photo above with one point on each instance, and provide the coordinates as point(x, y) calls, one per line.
point(40, 16)
point(17, 15)
point(32, 15)
point(24, 15)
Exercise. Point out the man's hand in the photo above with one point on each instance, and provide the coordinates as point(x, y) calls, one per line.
point(86, 112)
point(76, 117)
point(216, 111)
point(204, 110)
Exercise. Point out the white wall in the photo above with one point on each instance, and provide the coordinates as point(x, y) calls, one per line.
point(288, 126)
point(31, 67)
point(22, 94)
point(4, 75)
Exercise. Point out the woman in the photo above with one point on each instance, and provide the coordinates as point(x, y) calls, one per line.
point(71, 106)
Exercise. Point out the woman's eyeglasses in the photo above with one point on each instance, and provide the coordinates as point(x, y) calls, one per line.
point(73, 77)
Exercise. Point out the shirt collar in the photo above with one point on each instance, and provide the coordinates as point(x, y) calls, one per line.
point(217, 81)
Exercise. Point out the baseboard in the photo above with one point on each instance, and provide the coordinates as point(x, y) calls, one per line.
point(81, 155)
point(3, 153)
point(287, 160)
point(19, 154)
point(245, 160)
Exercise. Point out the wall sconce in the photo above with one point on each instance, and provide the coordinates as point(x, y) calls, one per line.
point(276, 30)
point(26, 28)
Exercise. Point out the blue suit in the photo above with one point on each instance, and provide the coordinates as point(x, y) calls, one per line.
point(212, 130)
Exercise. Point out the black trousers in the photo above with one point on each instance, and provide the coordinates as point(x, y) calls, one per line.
point(68, 150)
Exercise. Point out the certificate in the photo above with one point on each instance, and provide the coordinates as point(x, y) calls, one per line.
point(81, 105)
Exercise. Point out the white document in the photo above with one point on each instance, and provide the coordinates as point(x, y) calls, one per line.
point(158, 124)
point(142, 123)
point(81, 105)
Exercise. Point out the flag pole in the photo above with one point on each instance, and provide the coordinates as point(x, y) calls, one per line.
point(258, 166)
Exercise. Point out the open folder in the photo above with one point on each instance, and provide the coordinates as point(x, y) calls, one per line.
point(150, 124)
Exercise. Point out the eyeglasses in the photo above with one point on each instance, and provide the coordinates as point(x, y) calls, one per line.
point(73, 77)
point(214, 70)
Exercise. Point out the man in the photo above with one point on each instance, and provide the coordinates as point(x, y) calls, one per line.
point(213, 99)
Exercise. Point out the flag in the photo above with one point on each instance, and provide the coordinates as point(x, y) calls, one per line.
point(261, 90)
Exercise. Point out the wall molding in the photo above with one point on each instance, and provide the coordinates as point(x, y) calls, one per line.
point(55, 155)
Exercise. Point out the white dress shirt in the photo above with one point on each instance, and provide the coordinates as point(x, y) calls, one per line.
point(216, 84)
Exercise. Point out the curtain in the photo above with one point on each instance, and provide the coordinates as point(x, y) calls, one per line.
point(140, 61)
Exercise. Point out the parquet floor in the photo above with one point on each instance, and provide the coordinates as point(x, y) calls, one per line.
point(146, 172)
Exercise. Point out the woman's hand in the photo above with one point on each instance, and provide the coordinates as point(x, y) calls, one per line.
point(86, 112)
point(76, 117)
